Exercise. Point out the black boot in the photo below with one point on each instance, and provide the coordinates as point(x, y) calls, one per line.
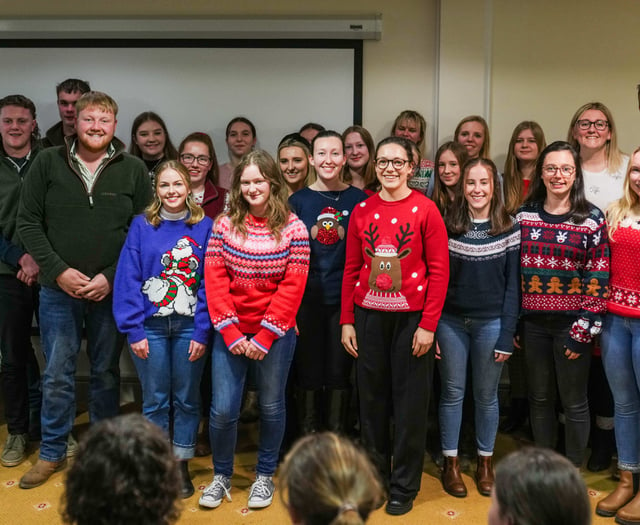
point(518, 412)
point(308, 408)
point(337, 410)
point(186, 487)
point(602, 448)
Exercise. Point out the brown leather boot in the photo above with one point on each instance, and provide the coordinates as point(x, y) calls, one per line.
point(630, 513)
point(41, 472)
point(622, 495)
point(452, 481)
point(484, 475)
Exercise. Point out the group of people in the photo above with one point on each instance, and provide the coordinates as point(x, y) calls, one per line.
point(335, 255)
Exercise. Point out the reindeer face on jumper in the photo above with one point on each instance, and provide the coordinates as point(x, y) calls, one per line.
point(386, 272)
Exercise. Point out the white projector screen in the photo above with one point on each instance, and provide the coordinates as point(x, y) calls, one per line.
point(198, 88)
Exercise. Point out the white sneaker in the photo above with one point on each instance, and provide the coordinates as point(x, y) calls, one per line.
point(215, 492)
point(261, 493)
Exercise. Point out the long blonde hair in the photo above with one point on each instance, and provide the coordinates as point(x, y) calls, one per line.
point(152, 213)
point(277, 206)
point(618, 210)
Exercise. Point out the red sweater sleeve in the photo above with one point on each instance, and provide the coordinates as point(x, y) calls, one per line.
point(352, 267)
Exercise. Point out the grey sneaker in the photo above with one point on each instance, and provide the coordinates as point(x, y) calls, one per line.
point(215, 492)
point(72, 446)
point(261, 493)
point(14, 450)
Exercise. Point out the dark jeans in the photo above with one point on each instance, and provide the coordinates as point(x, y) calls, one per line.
point(393, 385)
point(320, 359)
point(549, 370)
point(19, 365)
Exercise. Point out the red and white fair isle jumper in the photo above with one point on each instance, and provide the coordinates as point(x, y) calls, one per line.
point(624, 286)
point(255, 283)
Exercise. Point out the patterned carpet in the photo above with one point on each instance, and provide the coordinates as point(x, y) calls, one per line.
point(41, 505)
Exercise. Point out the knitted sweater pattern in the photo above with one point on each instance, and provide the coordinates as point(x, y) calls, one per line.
point(565, 269)
point(624, 287)
point(255, 283)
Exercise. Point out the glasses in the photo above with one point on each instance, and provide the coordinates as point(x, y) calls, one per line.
point(187, 158)
point(599, 124)
point(397, 164)
point(550, 170)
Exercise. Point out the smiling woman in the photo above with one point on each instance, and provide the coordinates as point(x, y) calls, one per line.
point(150, 141)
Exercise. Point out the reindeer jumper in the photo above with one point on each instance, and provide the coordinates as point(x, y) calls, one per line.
point(397, 259)
point(565, 269)
point(159, 274)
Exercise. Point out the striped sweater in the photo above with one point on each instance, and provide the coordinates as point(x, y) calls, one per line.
point(565, 269)
point(255, 283)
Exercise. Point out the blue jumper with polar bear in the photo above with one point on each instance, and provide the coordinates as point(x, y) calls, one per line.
point(160, 273)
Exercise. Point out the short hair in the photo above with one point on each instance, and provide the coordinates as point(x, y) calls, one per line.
point(169, 152)
point(204, 138)
point(97, 99)
point(72, 85)
point(440, 195)
point(537, 486)
point(240, 119)
point(410, 114)
point(312, 125)
point(326, 479)
point(612, 152)
point(152, 212)
point(23, 102)
point(369, 175)
point(513, 185)
point(486, 145)
point(124, 473)
point(580, 207)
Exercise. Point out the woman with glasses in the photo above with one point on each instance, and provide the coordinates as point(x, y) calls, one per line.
point(564, 266)
point(394, 286)
point(592, 132)
point(150, 141)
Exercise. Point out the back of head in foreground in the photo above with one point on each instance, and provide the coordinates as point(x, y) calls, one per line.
point(536, 486)
point(326, 480)
point(124, 474)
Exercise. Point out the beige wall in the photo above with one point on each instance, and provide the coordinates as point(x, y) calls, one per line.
point(398, 69)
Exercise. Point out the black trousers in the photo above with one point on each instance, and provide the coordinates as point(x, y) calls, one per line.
point(393, 385)
point(19, 365)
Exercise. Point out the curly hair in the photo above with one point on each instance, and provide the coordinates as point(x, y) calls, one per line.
point(124, 473)
point(325, 480)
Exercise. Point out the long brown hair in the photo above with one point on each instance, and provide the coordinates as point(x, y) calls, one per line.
point(458, 219)
point(203, 138)
point(369, 174)
point(169, 152)
point(484, 151)
point(277, 206)
point(513, 185)
point(440, 194)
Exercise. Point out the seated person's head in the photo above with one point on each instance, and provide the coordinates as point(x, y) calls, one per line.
point(124, 474)
point(325, 479)
point(536, 486)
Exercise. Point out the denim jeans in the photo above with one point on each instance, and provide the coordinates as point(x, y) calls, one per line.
point(621, 358)
point(549, 371)
point(465, 341)
point(61, 321)
point(228, 375)
point(170, 381)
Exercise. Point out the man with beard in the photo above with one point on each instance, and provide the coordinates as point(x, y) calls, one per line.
point(18, 275)
point(67, 93)
point(77, 203)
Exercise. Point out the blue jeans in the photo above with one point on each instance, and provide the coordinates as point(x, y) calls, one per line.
point(61, 320)
point(228, 375)
point(170, 380)
point(620, 342)
point(465, 340)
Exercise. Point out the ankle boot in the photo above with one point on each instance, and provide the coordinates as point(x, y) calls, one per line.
point(484, 475)
point(630, 513)
point(518, 412)
point(452, 481)
point(308, 403)
point(623, 494)
point(337, 410)
point(602, 448)
point(186, 487)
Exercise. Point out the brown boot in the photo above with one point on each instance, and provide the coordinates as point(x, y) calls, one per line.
point(41, 472)
point(630, 513)
point(452, 481)
point(484, 475)
point(622, 495)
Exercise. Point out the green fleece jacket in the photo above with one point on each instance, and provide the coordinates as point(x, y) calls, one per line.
point(64, 226)
point(11, 183)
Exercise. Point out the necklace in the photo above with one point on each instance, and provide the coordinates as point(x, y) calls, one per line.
point(332, 195)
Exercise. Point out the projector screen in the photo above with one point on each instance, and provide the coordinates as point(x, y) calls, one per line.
point(199, 88)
